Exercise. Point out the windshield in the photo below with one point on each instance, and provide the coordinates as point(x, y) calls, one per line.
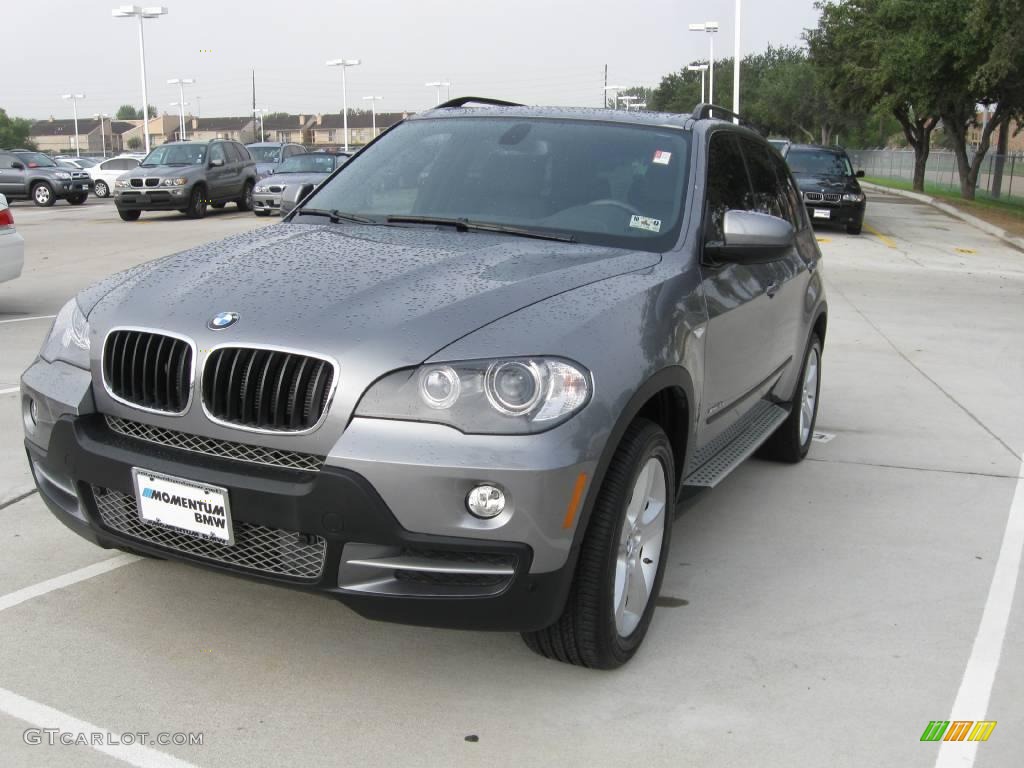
point(36, 160)
point(86, 162)
point(265, 154)
point(601, 183)
point(176, 154)
point(818, 162)
point(309, 163)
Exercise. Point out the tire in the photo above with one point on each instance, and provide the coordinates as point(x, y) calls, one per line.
point(590, 632)
point(42, 194)
point(196, 204)
point(262, 213)
point(854, 228)
point(76, 199)
point(245, 201)
point(101, 189)
point(129, 215)
point(791, 441)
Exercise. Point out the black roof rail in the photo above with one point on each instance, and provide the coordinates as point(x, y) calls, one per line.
point(715, 112)
point(462, 101)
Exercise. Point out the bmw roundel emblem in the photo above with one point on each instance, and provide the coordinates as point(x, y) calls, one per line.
point(222, 320)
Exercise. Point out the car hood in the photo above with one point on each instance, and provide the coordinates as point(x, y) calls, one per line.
point(164, 171)
point(373, 298)
point(813, 182)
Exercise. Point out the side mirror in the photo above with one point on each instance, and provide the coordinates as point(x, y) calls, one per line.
point(751, 236)
point(216, 163)
point(860, 174)
point(18, 166)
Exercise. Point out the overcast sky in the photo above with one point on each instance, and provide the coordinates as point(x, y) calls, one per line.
point(533, 51)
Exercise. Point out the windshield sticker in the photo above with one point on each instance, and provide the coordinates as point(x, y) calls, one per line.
point(644, 222)
point(661, 157)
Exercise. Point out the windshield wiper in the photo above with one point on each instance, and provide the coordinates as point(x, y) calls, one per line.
point(337, 216)
point(466, 225)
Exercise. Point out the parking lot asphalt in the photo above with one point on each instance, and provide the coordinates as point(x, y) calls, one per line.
point(812, 615)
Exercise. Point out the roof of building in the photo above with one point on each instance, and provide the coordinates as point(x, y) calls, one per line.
point(287, 122)
point(63, 127)
point(360, 120)
point(221, 123)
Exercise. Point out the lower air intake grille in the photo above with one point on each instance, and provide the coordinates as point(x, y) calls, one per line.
point(267, 389)
point(257, 548)
point(148, 369)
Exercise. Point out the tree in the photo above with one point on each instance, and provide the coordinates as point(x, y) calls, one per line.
point(15, 131)
point(134, 143)
point(875, 53)
point(126, 112)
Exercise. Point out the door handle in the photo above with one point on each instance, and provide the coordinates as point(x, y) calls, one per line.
point(772, 289)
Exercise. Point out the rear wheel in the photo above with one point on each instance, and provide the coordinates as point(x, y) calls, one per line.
point(622, 560)
point(101, 189)
point(42, 194)
point(792, 439)
point(129, 215)
point(196, 204)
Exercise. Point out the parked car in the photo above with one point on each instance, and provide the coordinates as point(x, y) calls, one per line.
point(463, 384)
point(12, 245)
point(106, 173)
point(270, 154)
point(28, 175)
point(77, 162)
point(828, 185)
point(187, 176)
point(298, 173)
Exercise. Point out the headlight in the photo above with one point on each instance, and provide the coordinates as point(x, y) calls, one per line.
point(62, 175)
point(853, 197)
point(122, 183)
point(260, 188)
point(507, 396)
point(181, 181)
point(69, 337)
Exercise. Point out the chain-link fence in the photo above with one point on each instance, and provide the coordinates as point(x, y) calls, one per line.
point(1000, 176)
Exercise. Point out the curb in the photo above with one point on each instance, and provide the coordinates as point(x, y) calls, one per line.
point(974, 221)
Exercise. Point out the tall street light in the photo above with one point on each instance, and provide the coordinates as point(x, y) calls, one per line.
point(615, 88)
point(629, 100)
point(101, 116)
point(344, 64)
point(262, 111)
point(180, 105)
point(702, 68)
point(439, 84)
point(736, 64)
point(710, 27)
point(154, 12)
point(181, 82)
point(74, 97)
point(373, 106)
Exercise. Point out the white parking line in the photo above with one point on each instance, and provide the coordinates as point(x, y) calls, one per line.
point(27, 319)
point(972, 699)
point(10, 391)
point(96, 569)
point(42, 716)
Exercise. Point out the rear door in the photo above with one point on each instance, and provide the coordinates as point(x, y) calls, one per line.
point(739, 357)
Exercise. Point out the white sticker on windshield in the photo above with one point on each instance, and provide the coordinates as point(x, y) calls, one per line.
point(644, 222)
point(661, 157)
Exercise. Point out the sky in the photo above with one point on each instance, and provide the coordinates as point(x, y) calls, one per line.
point(530, 51)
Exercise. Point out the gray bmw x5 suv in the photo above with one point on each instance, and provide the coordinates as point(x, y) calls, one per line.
point(465, 384)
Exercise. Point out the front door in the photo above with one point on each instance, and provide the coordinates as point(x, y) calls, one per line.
point(217, 175)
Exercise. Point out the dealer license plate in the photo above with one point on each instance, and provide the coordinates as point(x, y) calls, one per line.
point(195, 508)
point(822, 213)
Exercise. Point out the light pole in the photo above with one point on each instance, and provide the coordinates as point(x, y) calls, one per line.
point(736, 64)
point(181, 82)
point(373, 106)
point(262, 111)
point(702, 68)
point(710, 27)
point(628, 99)
point(181, 118)
point(615, 88)
point(74, 97)
point(344, 64)
point(101, 116)
point(640, 105)
point(154, 12)
point(439, 85)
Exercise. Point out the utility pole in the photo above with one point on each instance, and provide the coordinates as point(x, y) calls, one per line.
point(254, 105)
point(604, 92)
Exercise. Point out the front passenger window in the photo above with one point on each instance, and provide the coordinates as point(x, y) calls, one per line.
point(728, 188)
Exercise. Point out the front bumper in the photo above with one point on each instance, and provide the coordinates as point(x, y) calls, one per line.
point(266, 201)
point(838, 213)
point(168, 199)
point(328, 532)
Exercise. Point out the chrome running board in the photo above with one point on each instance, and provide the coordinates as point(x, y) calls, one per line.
point(712, 463)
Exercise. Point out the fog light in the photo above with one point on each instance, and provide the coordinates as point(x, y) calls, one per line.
point(486, 501)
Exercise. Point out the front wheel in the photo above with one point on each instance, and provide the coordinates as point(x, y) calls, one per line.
point(196, 204)
point(791, 441)
point(245, 201)
point(622, 559)
point(42, 195)
point(101, 189)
